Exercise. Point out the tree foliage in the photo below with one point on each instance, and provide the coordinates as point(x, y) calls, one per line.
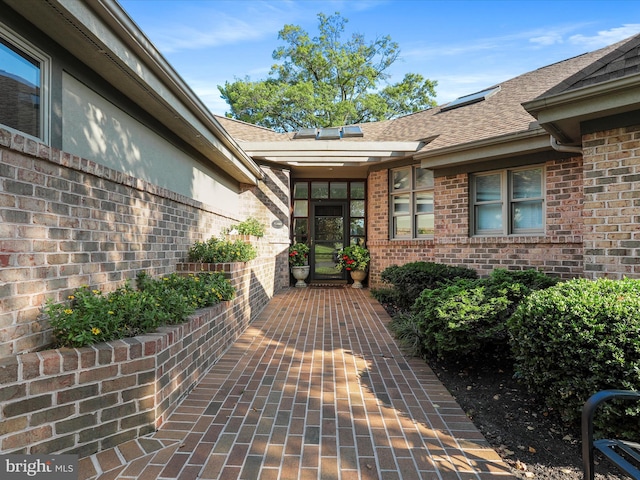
point(323, 82)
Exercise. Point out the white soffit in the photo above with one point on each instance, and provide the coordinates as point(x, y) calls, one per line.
point(328, 152)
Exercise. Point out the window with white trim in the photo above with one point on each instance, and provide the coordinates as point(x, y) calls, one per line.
point(411, 202)
point(508, 202)
point(24, 73)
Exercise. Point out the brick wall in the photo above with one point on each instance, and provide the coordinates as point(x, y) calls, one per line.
point(612, 203)
point(558, 252)
point(88, 399)
point(67, 222)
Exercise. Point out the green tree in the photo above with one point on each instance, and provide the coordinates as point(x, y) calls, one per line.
point(322, 82)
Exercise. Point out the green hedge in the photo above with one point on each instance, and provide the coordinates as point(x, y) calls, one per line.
point(409, 280)
point(577, 338)
point(221, 251)
point(468, 317)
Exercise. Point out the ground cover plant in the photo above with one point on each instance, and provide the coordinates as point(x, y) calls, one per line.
point(90, 316)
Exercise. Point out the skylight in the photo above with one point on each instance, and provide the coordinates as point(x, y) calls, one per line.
point(306, 133)
point(329, 133)
point(352, 131)
point(469, 99)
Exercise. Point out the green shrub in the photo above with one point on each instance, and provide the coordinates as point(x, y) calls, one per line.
point(468, 317)
point(577, 338)
point(250, 226)
point(411, 279)
point(221, 251)
point(88, 316)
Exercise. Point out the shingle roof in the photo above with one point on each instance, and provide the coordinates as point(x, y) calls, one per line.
point(500, 114)
point(623, 59)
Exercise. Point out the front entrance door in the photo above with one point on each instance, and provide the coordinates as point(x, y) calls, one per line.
point(328, 227)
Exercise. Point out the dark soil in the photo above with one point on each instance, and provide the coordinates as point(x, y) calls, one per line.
point(529, 437)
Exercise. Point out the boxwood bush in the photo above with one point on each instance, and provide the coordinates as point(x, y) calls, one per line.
point(468, 316)
point(577, 338)
point(409, 280)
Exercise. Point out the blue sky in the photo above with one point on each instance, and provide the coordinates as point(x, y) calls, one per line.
point(465, 46)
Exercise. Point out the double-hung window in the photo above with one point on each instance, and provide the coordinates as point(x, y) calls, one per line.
point(411, 192)
point(508, 202)
point(23, 81)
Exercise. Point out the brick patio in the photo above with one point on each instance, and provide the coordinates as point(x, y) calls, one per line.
point(316, 388)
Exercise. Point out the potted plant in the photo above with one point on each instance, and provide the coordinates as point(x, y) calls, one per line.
point(298, 259)
point(355, 259)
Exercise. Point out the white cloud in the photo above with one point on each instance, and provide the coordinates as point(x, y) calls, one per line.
point(606, 37)
point(547, 40)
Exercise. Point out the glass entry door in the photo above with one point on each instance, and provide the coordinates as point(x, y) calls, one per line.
point(328, 227)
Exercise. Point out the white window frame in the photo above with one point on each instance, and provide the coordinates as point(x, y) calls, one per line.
point(507, 203)
point(45, 80)
point(411, 192)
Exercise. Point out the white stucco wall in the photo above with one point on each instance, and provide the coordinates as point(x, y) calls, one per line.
point(95, 129)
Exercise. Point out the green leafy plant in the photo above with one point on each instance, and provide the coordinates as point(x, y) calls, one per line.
point(88, 316)
point(467, 317)
point(409, 280)
point(221, 251)
point(576, 338)
point(298, 254)
point(250, 226)
point(353, 257)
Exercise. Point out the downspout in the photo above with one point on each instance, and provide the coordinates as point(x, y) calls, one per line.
point(564, 148)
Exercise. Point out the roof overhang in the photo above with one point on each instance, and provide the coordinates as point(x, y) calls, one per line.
point(562, 114)
point(329, 153)
point(105, 38)
point(533, 140)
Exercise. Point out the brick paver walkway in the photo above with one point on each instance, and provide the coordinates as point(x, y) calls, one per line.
point(316, 388)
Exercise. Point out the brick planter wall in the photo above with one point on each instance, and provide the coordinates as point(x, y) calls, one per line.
point(67, 221)
point(88, 399)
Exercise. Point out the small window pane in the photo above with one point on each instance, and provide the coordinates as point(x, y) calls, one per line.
point(357, 190)
point(301, 208)
point(527, 184)
point(402, 226)
point(338, 189)
point(424, 203)
point(425, 224)
point(301, 190)
point(319, 190)
point(424, 178)
point(356, 241)
point(401, 204)
point(488, 188)
point(489, 217)
point(527, 216)
point(357, 208)
point(357, 226)
point(401, 179)
point(19, 90)
point(300, 230)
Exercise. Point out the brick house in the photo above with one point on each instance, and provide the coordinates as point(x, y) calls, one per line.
point(111, 166)
point(538, 171)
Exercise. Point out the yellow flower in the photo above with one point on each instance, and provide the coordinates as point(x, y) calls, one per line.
point(111, 312)
point(68, 311)
point(96, 292)
point(71, 297)
point(96, 331)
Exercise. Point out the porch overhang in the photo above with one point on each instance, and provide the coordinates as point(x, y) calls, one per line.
point(329, 153)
